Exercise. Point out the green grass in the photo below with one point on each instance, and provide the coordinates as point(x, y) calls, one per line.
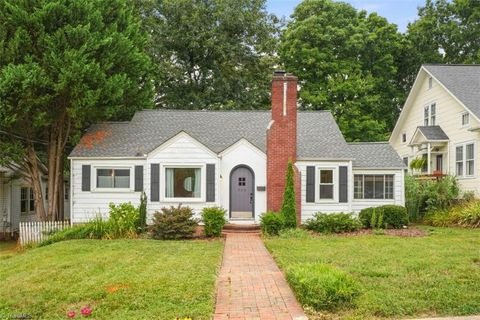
point(119, 279)
point(400, 277)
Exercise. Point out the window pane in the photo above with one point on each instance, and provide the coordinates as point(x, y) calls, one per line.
point(469, 152)
point(459, 153)
point(104, 178)
point(459, 169)
point(470, 168)
point(122, 178)
point(326, 176)
point(368, 186)
point(183, 182)
point(358, 187)
point(379, 183)
point(389, 187)
point(326, 191)
point(425, 116)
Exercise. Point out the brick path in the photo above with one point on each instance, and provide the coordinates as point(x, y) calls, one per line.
point(250, 285)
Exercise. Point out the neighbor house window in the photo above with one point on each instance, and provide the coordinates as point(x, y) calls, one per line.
point(113, 178)
point(326, 184)
point(465, 160)
point(183, 182)
point(404, 137)
point(27, 201)
point(465, 119)
point(373, 186)
point(430, 115)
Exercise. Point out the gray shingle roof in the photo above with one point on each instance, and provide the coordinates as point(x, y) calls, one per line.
point(318, 134)
point(463, 81)
point(433, 132)
point(375, 155)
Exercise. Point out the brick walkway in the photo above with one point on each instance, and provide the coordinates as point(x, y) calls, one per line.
point(250, 285)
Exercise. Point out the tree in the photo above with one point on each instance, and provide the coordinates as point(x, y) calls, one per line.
point(211, 54)
point(346, 63)
point(445, 32)
point(289, 203)
point(63, 65)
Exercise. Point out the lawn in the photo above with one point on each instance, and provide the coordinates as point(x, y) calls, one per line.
point(400, 277)
point(119, 279)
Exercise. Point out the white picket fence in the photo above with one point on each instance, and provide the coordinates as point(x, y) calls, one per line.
point(37, 231)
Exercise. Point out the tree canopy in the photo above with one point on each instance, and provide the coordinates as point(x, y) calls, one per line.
point(211, 54)
point(63, 65)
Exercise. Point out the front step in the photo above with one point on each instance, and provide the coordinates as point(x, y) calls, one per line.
point(241, 228)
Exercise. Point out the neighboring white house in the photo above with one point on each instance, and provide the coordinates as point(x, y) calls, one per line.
point(17, 203)
point(440, 122)
point(233, 159)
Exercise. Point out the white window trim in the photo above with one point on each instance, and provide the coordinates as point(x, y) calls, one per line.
point(464, 160)
point(335, 184)
point(461, 119)
point(111, 190)
point(203, 175)
point(384, 184)
point(429, 119)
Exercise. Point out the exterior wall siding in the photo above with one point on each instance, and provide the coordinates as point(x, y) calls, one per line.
point(448, 117)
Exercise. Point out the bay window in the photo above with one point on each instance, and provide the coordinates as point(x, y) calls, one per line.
point(369, 186)
point(183, 182)
point(113, 178)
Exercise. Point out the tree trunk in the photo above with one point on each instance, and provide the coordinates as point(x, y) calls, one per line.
point(36, 184)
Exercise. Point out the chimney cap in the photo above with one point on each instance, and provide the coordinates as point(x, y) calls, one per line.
point(284, 75)
point(280, 73)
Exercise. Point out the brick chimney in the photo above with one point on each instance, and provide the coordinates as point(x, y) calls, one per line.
point(282, 138)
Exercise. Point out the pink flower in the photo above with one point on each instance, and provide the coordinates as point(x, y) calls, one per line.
point(86, 311)
point(71, 314)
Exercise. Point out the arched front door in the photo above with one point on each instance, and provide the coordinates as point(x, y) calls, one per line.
point(242, 193)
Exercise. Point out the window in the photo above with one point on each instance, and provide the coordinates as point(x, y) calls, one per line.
point(465, 119)
point(465, 160)
point(404, 137)
point(430, 83)
point(113, 178)
point(405, 161)
point(27, 201)
point(373, 186)
point(326, 184)
point(241, 181)
point(184, 182)
point(430, 115)
point(66, 192)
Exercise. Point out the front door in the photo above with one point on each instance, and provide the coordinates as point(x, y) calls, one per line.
point(241, 193)
point(440, 162)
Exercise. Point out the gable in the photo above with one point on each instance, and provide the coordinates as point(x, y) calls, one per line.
point(182, 146)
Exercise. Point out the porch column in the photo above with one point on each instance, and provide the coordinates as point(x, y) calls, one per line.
point(429, 156)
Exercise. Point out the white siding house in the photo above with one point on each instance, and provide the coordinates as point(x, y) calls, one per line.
point(223, 158)
point(440, 122)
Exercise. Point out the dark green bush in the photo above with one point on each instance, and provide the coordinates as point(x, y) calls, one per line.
point(142, 213)
point(214, 220)
point(333, 223)
point(173, 223)
point(323, 287)
point(289, 205)
point(393, 216)
point(271, 223)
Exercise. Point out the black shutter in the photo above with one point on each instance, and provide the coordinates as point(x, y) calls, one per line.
point(310, 186)
point(138, 178)
point(86, 172)
point(155, 182)
point(210, 182)
point(343, 184)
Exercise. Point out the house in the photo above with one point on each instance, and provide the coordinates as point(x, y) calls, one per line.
point(440, 122)
point(17, 203)
point(233, 159)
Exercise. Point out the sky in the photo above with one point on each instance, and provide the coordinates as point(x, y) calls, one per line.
point(399, 12)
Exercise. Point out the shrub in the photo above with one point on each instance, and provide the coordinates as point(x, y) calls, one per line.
point(173, 223)
point(466, 214)
point(214, 220)
point(271, 223)
point(376, 221)
point(333, 223)
point(393, 216)
point(123, 220)
point(295, 233)
point(413, 197)
point(142, 213)
point(289, 205)
point(322, 287)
